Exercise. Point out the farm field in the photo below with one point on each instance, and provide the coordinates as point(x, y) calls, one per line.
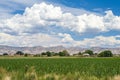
point(59, 68)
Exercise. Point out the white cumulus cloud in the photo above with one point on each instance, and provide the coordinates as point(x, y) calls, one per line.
point(39, 18)
point(44, 15)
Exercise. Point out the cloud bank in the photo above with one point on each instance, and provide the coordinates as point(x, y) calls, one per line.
point(41, 25)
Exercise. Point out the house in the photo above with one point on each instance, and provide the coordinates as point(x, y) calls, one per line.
point(86, 55)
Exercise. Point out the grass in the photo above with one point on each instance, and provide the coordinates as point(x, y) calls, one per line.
point(59, 68)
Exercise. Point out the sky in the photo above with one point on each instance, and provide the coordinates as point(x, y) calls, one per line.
point(68, 23)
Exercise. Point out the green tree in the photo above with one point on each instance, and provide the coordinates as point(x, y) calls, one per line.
point(43, 53)
point(61, 54)
point(106, 53)
point(90, 52)
point(56, 54)
point(37, 55)
point(48, 53)
point(79, 53)
point(26, 55)
point(19, 53)
point(64, 53)
point(5, 54)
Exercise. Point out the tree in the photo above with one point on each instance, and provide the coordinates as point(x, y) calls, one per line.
point(61, 54)
point(90, 52)
point(106, 53)
point(43, 53)
point(64, 53)
point(37, 55)
point(19, 53)
point(49, 53)
point(26, 55)
point(5, 54)
point(55, 54)
point(79, 53)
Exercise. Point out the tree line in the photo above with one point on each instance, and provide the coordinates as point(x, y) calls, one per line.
point(86, 53)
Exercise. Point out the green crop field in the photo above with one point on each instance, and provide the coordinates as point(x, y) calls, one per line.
point(60, 68)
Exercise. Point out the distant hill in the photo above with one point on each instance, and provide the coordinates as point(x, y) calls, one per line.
point(39, 49)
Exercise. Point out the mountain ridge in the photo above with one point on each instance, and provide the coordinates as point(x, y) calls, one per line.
point(40, 49)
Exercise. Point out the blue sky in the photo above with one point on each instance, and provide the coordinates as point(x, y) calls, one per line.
point(94, 5)
point(83, 23)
